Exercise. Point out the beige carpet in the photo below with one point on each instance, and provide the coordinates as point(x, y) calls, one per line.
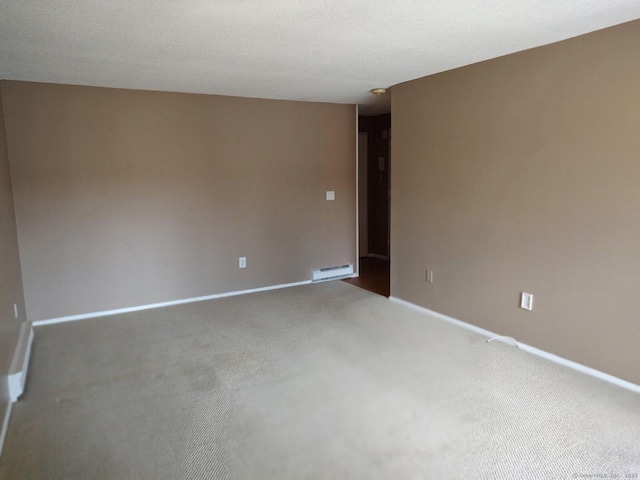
point(316, 382)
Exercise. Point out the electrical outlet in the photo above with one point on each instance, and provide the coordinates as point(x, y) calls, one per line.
point(15, 310)
point(429, 276)
point(526, 301)
point(242, 262)
point(331, 195)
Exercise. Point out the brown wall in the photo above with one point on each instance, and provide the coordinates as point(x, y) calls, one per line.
point(127, 198)
point(10, 279)
point(523, 174)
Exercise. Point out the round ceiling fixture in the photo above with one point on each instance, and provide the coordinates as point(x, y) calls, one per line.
point(378, 91)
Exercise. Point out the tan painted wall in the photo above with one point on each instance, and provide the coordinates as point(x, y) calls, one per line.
point(10, 278)
point(128, 198)
point(523, 174)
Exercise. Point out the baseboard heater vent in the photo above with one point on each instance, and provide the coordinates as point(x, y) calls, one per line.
point(332, 273)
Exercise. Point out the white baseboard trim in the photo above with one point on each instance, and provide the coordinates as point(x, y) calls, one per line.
point(527, 348)
point(20, 362)
point(5, 425)
point(117, 311)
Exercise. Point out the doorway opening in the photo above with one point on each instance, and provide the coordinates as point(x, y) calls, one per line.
point(374, 196)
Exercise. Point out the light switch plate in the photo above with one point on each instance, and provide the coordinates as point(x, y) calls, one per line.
point(331, 195)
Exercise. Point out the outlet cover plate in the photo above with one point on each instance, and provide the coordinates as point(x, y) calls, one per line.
point(526, 301)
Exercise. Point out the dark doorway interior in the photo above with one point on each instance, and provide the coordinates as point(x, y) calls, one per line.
point(378, 130)
point(374, 260)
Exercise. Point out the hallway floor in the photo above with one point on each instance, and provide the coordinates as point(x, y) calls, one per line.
point(374, 276)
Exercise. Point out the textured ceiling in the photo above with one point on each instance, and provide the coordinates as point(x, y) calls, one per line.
point(313, 50)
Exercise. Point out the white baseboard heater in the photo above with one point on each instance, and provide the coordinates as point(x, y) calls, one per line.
point(20, 362)
point(332, 273)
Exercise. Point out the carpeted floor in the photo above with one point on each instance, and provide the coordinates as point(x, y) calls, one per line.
point(323, 381)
